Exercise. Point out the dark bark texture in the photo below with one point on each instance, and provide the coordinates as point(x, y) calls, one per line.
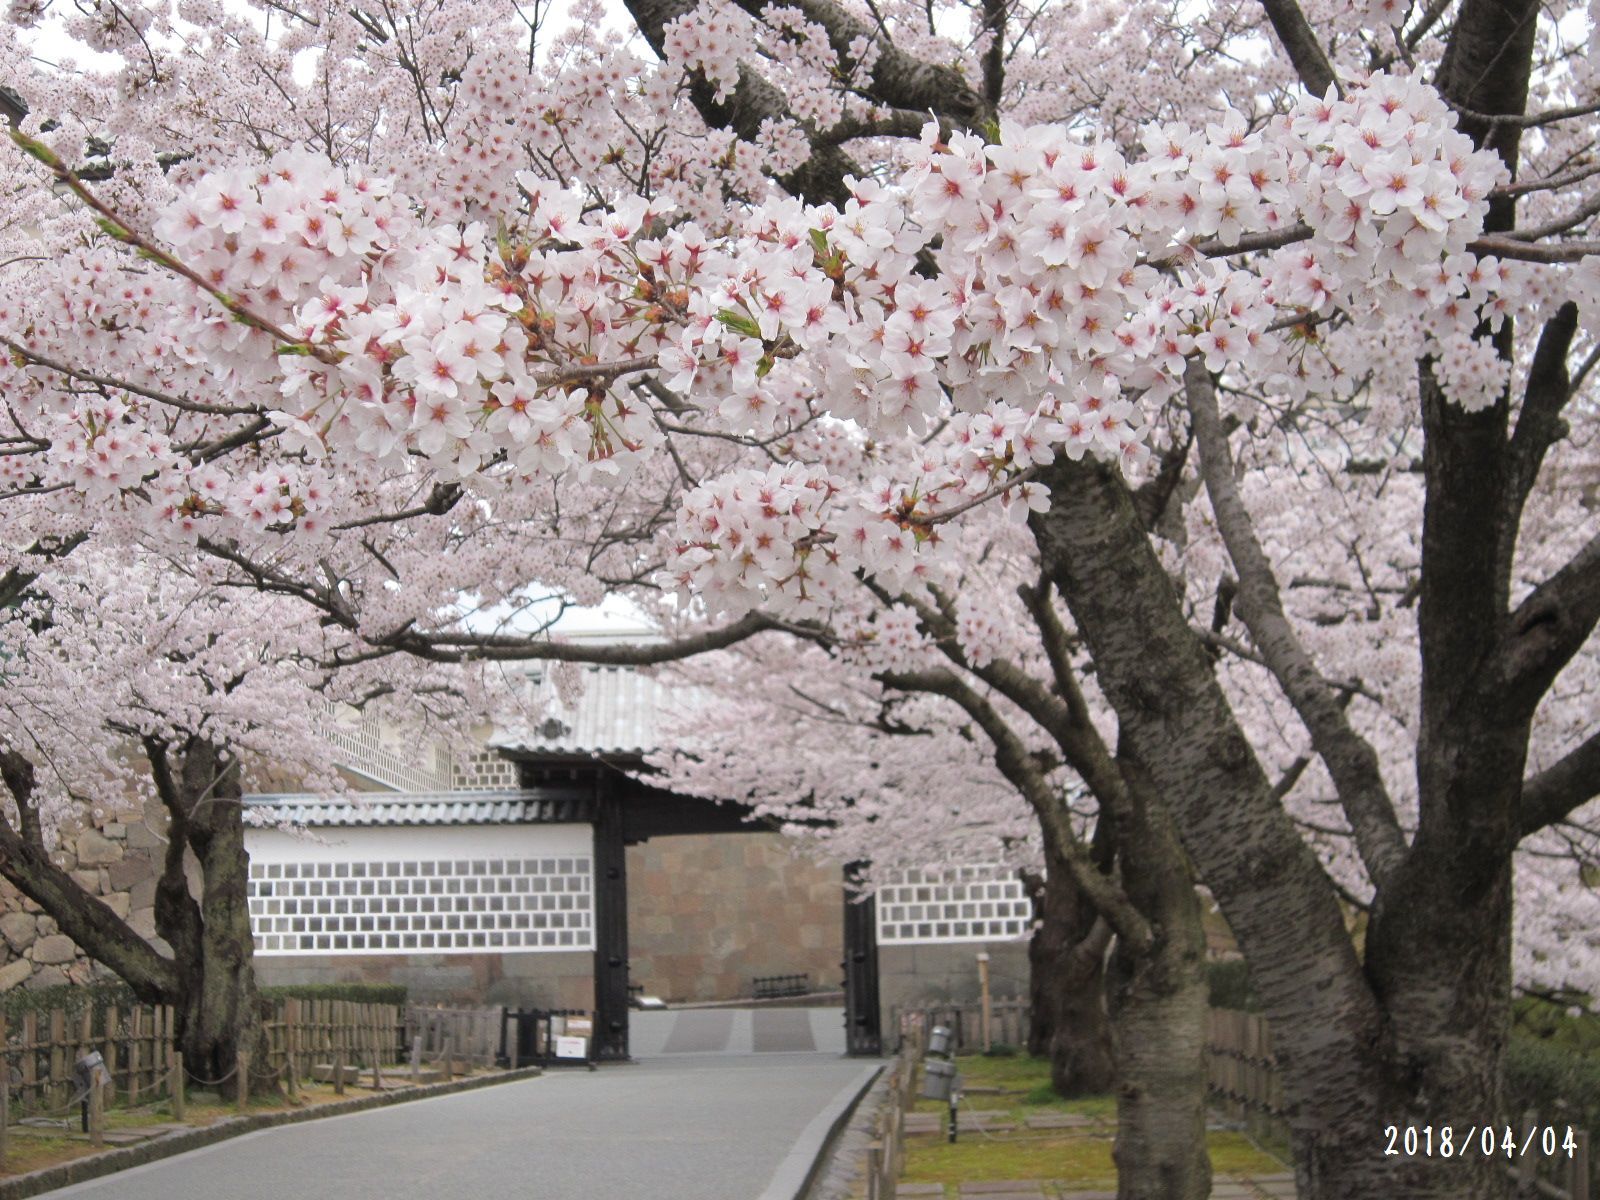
point(1068, 1021)
point(210, 976)
point(1158, 1003)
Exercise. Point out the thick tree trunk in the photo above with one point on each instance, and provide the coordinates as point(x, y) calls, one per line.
point(221, 1011)
point(1082, 1060)
point(1175, 722)
point(1415, 1035)
point(1067, 960)
point(1158, 1007)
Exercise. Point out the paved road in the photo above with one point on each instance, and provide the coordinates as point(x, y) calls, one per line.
point(684, 1127)
point(654, 1033)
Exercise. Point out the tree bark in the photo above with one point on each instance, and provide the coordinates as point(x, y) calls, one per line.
point(1158, 1006)
point(221, 1011)
point(1068, 1021)
point(1175, 722)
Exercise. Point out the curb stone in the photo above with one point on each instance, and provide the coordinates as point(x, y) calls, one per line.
point(95, 1166)
point(805, 1161)
point(843, 1161)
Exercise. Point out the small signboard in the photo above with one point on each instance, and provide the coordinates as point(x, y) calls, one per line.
point(572, 1047)
point(580, 1026)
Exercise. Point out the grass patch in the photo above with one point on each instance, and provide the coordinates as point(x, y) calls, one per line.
point(1081, 1157)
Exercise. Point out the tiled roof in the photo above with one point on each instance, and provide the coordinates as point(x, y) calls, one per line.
point(617, 714)
point(525, 807)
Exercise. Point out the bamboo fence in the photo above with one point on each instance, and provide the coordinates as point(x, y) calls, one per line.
point(38, 1049)
point(472, 1034)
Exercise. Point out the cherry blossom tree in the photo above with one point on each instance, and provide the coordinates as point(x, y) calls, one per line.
point(788, 313)
point(131, 680)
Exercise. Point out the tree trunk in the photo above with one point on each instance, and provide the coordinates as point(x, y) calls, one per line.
point(1158, 1013)
point(221, 1011)
point(1175, 721)
point(1066, 960)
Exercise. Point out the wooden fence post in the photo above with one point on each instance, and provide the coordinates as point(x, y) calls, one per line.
point(1580, 1185)
point(242, 1093)
point(416, 1059)
point(180, 1100)
point(338, 1070)
point(97, 1114)
point(5, 1095)
point(291, 1048)
point(449, 1057)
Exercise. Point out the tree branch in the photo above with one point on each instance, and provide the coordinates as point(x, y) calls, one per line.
point(1305, 52)
point(84, 918)
point(1012, 758)
point(1561, 788)
point(1541, 635)
point(1350, 759)
point(1539, 426)
point(898, 79)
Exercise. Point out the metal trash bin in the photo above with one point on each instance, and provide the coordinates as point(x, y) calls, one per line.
point(939, 1040)
point(938, 1079)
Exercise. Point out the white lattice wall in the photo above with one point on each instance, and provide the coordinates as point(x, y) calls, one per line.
point(423, 890)
point(979, 903)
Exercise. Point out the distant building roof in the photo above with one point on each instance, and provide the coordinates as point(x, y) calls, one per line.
point(618, 713)
point(520, 807)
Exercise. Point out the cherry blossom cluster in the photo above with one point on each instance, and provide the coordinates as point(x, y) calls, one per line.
point(1070, 281)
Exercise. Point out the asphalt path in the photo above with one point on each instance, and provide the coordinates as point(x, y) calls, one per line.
point(680, 1128)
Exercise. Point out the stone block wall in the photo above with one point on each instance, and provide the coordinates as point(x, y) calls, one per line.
point(707, 913)
point(117, 860)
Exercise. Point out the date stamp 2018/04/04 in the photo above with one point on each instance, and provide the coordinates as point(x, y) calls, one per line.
point(1490, 1141)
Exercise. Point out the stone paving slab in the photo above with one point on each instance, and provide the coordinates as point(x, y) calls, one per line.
point(1002, 1187)
point(918, 1189)
point(1059, 1121)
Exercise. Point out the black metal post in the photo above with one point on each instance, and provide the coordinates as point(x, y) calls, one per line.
point(611, 927)
point(863, 1024)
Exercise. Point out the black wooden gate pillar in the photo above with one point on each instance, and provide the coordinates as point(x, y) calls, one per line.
point(610, 925)
point(863, 1033)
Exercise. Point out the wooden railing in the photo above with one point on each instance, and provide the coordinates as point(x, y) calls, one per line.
point(38, 1049)
point(1241, 1072)
point(886, 1156)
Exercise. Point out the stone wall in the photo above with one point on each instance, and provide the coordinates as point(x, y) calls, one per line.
point(117, 860)
point(707, 913)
